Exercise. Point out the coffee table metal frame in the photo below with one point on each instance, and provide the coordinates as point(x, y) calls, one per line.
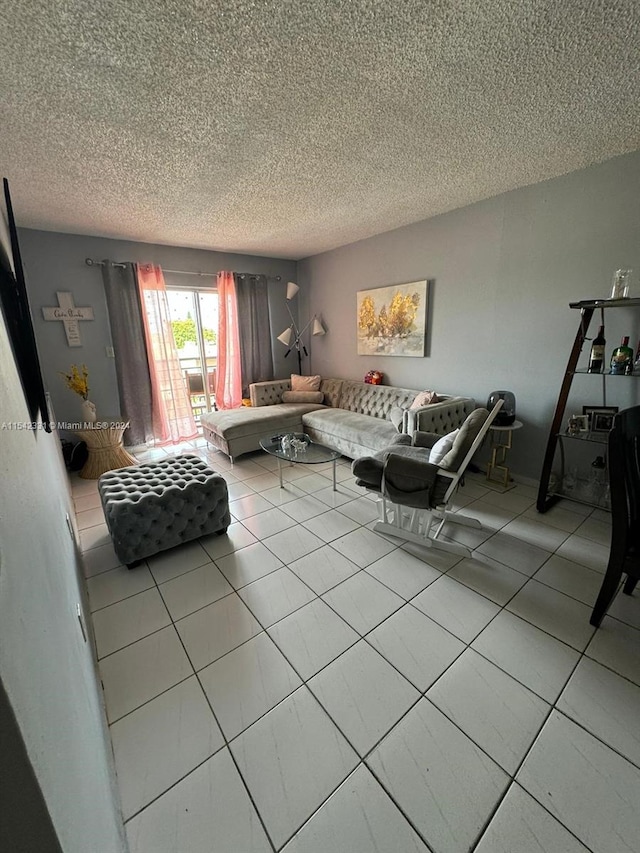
point(314, 454)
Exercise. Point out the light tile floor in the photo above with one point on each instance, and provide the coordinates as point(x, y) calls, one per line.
point(306, 685)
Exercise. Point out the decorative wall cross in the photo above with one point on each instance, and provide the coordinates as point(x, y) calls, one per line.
point(70, 317)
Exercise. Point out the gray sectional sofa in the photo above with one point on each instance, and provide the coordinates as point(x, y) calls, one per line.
point(355, 418)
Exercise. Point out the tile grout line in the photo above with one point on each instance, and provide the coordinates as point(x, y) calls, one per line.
point(220, 729)
point(582, 653)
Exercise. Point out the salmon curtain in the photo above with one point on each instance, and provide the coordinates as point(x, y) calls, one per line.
point(229, 376)
point(173, 419)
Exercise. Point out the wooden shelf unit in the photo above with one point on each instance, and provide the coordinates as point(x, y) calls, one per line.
point(587, 309)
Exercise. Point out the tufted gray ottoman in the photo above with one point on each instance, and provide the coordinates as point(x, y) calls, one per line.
point(149, 508)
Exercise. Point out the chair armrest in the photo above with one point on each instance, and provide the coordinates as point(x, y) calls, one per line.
point(425, 439)
point(400, 439)
point(442, 417)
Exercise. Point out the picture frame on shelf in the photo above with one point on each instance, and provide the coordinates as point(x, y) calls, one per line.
point(602, 422)
point(600, 418)
point(578, 424)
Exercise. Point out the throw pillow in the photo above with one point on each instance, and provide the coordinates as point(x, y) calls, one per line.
point(305, 383)
point(424, 398)
point(442, 447)
point(302, 396)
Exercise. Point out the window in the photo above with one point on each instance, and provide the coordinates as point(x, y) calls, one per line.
point(194, 318)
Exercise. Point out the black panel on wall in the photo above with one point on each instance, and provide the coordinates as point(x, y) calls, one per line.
point(17, 316)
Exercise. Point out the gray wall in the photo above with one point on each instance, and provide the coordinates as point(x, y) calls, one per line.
point(504, 272)
point(54, 261)
point(46, 667)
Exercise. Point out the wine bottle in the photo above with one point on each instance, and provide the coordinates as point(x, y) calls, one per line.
point(596, 356)
point(622, 359)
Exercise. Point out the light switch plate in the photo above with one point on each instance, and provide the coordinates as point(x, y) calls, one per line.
point(81, 621)
point(110, 352)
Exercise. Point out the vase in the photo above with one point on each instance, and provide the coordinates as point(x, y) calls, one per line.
point(88, 411)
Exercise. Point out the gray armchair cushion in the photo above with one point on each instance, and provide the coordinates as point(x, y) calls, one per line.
point(401, 440)
point(425, 439)
point(409, 481)
point(465, 438)
point(368, 469)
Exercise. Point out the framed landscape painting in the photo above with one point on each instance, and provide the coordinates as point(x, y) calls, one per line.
point(393, 320)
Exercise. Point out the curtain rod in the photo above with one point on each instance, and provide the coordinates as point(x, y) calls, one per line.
point(91, 263)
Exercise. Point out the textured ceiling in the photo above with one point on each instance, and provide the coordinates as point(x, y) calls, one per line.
point(287, 128)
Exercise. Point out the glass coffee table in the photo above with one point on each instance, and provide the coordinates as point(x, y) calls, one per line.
point(298, 448)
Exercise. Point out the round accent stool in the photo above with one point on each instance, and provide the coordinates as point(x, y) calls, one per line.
point(149, 508)
point(104, 444)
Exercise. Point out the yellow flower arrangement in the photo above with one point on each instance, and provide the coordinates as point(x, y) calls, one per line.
point(77, 381)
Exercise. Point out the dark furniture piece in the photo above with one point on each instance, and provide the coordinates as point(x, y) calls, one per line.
point(14, 304)
point(624, 481)
point(195, 381)
point(547, 498)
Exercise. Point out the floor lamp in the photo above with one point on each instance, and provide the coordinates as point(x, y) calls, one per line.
point(292, 337)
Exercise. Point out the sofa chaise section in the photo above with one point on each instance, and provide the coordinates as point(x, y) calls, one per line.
point(238, 431)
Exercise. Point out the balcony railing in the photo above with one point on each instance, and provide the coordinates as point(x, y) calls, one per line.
point(193, 376)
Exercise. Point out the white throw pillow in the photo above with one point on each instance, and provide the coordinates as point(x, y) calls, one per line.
point(442, 447)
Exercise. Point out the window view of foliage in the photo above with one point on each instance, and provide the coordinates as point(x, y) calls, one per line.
point(185, 331)
point(394, 321)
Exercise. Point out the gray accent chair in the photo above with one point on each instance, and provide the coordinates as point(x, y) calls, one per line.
point(414, 493)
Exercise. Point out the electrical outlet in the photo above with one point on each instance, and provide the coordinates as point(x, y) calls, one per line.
point(110, 352)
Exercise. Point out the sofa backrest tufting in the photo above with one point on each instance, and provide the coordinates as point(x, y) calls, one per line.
point(268, 393)
point(332, 390)
point(374, 400)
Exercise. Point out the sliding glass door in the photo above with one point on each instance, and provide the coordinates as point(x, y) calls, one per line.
point(194, 318)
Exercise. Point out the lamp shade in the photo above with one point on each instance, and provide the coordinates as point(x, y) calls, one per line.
point(318, 328)
point(292, 289)
point(285, 337)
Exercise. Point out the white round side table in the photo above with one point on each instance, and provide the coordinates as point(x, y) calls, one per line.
point(500, 445)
